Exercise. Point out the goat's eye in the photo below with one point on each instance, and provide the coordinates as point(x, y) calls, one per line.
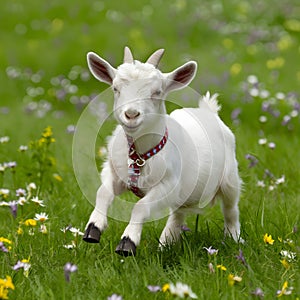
point(115, 90)
point(156, 94)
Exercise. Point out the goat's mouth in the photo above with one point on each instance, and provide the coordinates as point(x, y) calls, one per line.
point(130, 127)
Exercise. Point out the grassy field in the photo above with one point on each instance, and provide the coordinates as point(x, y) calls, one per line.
point(247, 51)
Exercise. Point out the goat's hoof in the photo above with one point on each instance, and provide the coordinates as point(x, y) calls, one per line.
point(126, 247)
point(92, 234)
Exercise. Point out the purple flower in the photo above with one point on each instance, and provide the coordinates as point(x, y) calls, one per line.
point(235, 113)
point(11, 164)
point(185, 228)
point(21, 193)
point(13, 207)
point(286, 119)
point(241, 258)
point(68, 269)
point(258, 292)
point(211, 251)
point(272, 145)
point(22, 264)
point(253, 160)
point(268, 173)
point(154, 288)
point(18, 265)
point(3, 248)
point(265, 106)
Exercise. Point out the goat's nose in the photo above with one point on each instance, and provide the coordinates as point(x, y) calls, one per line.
point(131, 114)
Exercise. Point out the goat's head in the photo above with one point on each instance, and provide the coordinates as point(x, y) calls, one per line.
point(140, 88)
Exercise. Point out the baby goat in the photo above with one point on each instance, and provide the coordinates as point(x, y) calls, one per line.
point(178, 162)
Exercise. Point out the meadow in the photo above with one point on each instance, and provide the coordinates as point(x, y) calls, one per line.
point(247, 51)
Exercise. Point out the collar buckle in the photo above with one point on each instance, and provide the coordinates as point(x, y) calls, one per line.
point(140, 161)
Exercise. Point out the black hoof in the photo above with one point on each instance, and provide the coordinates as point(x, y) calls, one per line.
point(92, 234)
point(126, 247)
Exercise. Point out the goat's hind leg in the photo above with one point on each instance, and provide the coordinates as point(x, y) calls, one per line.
point(230, 193)
point(171, 233)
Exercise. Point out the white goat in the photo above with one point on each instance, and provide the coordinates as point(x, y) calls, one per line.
point(191, 152)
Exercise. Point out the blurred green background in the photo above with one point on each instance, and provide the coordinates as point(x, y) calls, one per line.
point(228, 39)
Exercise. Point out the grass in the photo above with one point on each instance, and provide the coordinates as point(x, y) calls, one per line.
point(44, 43)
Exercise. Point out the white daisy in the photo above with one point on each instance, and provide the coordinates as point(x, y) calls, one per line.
point(42, 217)
point(182, 290)
point(37, 201)
point(76, 231)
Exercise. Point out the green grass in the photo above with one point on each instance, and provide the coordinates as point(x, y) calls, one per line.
point(230, 40)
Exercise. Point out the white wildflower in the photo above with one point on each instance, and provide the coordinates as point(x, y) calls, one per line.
point(22, 201)
point(262, 141)
point(37, 201)
point(263, 119)
point(280, 180)
point(4, 139)
point(76, 231)
point(31, 186)
point(288, 255)
point(42, 217)
point(252, 79)
point(182, 290)
point(260, 183)
point(23, 148)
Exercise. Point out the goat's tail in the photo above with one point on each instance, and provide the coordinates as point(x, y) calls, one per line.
point(210, 101)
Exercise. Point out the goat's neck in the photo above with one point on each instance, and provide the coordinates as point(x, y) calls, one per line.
point(150, 137)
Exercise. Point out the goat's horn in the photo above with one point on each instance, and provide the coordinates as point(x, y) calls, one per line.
point(155, 58)
point(128, 58)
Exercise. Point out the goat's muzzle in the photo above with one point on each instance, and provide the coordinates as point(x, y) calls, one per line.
point(131, 114)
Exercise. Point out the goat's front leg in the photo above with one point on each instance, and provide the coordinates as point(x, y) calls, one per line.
point(152, 204)
point(105, 196)
point(98, 219)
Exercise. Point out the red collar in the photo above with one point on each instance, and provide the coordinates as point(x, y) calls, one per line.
point(138, 161)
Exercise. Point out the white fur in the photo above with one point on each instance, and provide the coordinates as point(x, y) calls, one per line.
point(197, 164)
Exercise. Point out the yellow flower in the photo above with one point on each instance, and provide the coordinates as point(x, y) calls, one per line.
point(221, 267)
point(41, 141)
point(166, 287)
point(57, 177)
point(268, 239)
point(275, 63)
point(20, 231)
point(5, 240)
point(232, 279)
point(235, 69)
point(3, 292)
point(7, 283)
point(30, 222)
point(285, 263)
point(285, 42)
point(284, 290)
point(47, 132)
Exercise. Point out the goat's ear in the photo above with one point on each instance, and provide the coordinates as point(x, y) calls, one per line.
point(100, 68)
point(181, 76)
